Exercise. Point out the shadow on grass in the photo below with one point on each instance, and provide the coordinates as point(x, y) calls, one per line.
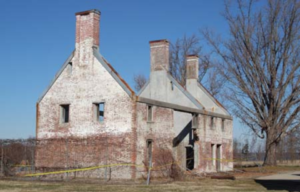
point(289, 185)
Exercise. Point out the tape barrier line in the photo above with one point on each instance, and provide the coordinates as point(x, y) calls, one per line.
point(22, 165)
point(115, 165)
point(75, 170)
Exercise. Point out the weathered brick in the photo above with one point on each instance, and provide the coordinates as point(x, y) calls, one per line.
point(122, 137)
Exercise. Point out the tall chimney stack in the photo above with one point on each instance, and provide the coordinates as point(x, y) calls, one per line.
point(192, 66)
point(159, 55)
point(87, 34)
point(87, 26)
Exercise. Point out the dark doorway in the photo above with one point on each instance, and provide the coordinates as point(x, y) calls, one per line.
point(218, 158)
point(149, 151)
point(189, 158)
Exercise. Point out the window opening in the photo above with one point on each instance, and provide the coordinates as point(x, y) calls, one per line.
point(99, 111)
point(149, 113)
point(65, 112)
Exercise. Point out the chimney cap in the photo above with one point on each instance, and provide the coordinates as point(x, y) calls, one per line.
point(88, 12)
point(192, 56)
point(159, 41)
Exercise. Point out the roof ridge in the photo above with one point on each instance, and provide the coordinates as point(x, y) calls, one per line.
point(113, 72)
point(215, 99)
point(168, 72)
point(188, 94)
point(180, 87)
point(57, 75)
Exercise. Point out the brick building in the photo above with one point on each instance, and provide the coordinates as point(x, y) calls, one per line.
point(164, 123)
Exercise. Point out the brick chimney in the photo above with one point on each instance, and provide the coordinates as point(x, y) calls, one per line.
point(159, 55)
point(192, 66)
point(87, 34)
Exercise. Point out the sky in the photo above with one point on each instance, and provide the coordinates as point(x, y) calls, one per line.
point(37, 36)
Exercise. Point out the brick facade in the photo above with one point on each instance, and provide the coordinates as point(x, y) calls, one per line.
point(122, 137)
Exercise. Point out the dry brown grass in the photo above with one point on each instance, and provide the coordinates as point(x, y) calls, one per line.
point(191, 186)
point(244, 182)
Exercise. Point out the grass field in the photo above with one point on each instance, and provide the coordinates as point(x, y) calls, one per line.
point(201, 185)
point(244, 182)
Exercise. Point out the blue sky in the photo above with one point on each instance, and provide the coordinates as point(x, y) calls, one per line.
point(37, 36)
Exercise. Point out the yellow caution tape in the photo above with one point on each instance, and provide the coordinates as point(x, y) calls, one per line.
point(22, 165)
point(114, 165)
point(74, 170)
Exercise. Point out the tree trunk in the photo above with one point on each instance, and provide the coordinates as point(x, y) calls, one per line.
point(270, 156)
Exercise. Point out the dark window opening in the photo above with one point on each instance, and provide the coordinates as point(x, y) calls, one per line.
point(65, 112)
point(212, 153)
point(70, 68)
point(149, 113)
point(195, 135)
point(212, 123)
point(99, 111)
point(218, 158)
point(223, 124)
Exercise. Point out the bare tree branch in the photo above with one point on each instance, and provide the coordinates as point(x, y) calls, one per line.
point(261, 61)
point(139, 81)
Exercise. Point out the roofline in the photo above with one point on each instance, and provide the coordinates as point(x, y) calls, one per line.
point(212, 97)
point(143, 88)
point(185, 92)
point(181, 108)
point(56, 76)
point(113, 72)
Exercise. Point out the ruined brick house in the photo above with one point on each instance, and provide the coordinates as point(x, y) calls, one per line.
point(164, 123)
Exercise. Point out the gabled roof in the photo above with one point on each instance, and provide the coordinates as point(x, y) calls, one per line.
point(57, 75)
point(185, 92)
point(143, 88)
point(175, 83)
point(104, 63)
point(113, 72)
point(212, 97)
point(127, 88)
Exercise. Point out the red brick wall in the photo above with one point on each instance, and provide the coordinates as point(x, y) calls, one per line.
point(72, 153)
point(88, 26)
point(160, 130)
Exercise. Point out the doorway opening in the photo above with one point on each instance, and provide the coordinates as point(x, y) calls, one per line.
point(189, 157)
point(149, 152)
point(218, 158)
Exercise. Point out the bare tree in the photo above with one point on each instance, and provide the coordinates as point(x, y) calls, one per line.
point(139, 81)
point(215, 83)
point(178, 52)
point(288, 149)
point(261, 59)
point(237, 150)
